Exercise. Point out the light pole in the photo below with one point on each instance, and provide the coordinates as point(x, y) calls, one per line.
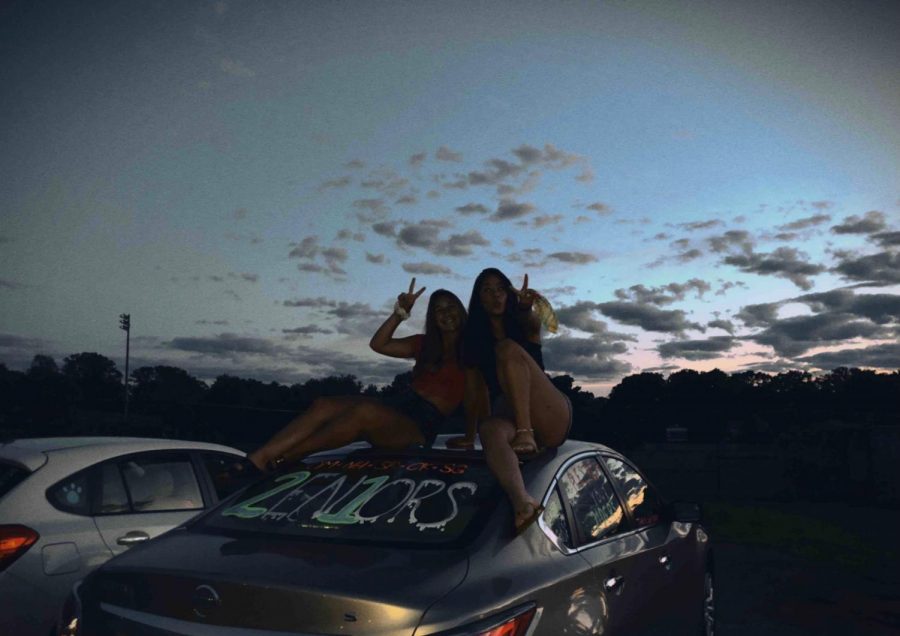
point(125, 324)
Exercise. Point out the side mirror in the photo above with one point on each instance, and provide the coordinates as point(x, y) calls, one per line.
point(685, 511)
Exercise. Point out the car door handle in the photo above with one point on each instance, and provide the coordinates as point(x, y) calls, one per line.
point(130, 538)
point(613, 583)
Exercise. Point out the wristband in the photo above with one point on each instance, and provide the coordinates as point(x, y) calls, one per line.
point(400, 312)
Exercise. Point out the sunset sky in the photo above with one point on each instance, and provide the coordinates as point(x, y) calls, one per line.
point(693, 184)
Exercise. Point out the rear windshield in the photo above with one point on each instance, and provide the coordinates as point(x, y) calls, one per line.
point(11, 476)
point(383, 500)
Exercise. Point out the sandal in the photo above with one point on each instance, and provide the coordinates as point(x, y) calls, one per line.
point(525, 448)
point(536, 513)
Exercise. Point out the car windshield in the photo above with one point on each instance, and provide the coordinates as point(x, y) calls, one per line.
point(396, 499)
point(10, 476)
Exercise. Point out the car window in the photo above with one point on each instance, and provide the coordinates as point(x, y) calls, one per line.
point(368, 498)
point(111, 497)
point(227, 481)
point(10, 477)
point(595, 507)
point(554, 517)
point(642, 501)
point(157, 484)
point(71, 494)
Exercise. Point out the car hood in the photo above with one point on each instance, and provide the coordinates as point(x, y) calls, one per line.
point(275, 584)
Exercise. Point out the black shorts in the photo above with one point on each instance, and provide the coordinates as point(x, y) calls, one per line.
point(425, 414)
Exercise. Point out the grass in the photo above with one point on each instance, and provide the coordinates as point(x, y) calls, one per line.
point(805, 536)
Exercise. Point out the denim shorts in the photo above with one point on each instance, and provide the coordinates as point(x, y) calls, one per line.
point(425, 414)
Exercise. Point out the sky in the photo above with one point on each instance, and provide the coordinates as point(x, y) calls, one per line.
point(693, 185)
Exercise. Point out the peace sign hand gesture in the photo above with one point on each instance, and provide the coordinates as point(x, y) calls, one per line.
point(408, 299)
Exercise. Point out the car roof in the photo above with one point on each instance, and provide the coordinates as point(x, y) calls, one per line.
point(33, 452)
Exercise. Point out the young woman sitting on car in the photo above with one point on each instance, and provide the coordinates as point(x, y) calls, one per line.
point(412, 417)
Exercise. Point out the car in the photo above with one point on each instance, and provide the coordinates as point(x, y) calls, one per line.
point(417, 542)
point(69, 504)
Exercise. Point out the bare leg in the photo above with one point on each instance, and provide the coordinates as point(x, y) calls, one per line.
point(539, 410)
point(301, 427)
point(496, 438)
point(368, 419)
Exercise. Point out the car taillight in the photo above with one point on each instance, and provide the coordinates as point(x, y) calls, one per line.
point(516, 626)
point(14, 542)
point(514, 622)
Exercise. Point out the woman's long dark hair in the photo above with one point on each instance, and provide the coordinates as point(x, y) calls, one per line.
point(477, 339)
point(432, 355)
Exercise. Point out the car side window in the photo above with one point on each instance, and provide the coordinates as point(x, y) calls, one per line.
point(71, 494)
point(162, 483)
point(554, 517)
point(642, 501)
point(227, 481)
point(111, 498)
point(595, 507)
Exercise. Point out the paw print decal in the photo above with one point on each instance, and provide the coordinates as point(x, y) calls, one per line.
point(72, 494)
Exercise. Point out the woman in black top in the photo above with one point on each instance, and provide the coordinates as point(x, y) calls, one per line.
point(506, 388)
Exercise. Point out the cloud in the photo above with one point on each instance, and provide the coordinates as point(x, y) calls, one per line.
point(731, 239)
point(341, 182)
point(354, 164)
point(236, 68)
point(472, 208)
point(508, 209)
point(699, 225)
point(586, 175)
point(784, 262)
point(546, 219)
point(886, 239)
point(882, 268)
point(664, 294)
point(879, 308)
point(307, 248)
point(445, 154)
point(245, 276)
point(406, 199)
point(386, 228)
point(720, 323)
point(759, 315)
point(344, 235)
point(417, 159)
point(600, 208)
point(873, 221)
point(10, 284)
point(335, 254)
point(648, 317)
point(586, 358)
point(306, 330)
point(881, 356)
point(797, 334)
point(808, 222)
point(321, 301)
point(422, 234)
point(461, 244)
point(581, 316)
point(574, 258)
point(375, 258)
point(371, 210)
point(225, 345)
point(708, 349)
point(425, 268)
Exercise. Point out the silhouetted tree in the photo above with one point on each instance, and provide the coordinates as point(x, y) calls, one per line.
point(165, 384)
point(97, 381)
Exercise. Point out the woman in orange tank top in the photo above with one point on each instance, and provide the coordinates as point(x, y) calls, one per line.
point(412, 417)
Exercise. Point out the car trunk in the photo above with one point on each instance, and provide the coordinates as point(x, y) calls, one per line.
point(265, 583)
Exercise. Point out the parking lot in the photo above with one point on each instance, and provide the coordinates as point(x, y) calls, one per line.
point(792, 569)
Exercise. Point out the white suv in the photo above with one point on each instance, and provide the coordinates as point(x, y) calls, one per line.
point(67, 505)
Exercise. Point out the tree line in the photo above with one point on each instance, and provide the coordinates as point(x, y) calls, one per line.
point(86, 396)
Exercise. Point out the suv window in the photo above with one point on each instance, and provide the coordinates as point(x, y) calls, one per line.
point(380, 498)
point(595, 507)
point(642, 501)
point(161, 483)
point(10, 477)
point(71, 494)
